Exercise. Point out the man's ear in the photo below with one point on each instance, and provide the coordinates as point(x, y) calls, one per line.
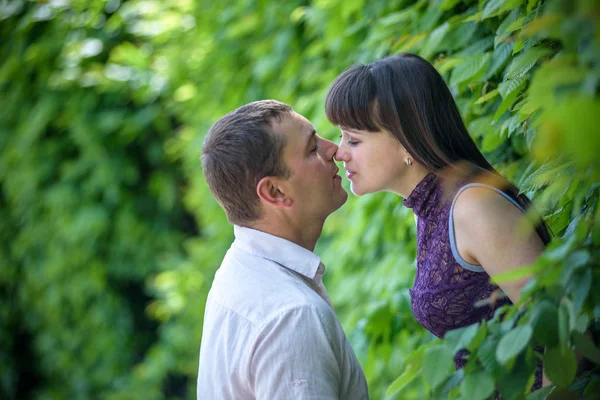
point(271, 192)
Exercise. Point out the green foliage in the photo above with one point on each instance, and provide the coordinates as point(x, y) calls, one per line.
point(110, 237)
point(477, 386)
point(513, 343)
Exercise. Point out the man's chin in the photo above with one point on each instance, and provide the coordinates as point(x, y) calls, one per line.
point(343, 199)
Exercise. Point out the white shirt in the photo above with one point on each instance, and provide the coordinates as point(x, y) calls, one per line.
point(270, 332)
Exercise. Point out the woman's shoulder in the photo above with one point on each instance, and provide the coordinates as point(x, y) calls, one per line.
point(478, 202)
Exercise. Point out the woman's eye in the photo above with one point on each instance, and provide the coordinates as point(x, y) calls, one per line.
point(352, 143)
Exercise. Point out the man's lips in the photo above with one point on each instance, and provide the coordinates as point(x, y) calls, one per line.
point(336, 178)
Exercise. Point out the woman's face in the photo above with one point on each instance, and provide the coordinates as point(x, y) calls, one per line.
point(374, 161)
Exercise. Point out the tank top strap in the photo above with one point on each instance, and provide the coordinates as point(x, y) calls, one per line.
point(457, 257)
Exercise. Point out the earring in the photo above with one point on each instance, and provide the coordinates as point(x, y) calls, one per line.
point(408, 162)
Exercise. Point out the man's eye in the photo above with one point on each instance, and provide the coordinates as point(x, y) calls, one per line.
point(315, 148)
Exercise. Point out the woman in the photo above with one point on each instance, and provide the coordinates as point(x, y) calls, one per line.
point(402, 132)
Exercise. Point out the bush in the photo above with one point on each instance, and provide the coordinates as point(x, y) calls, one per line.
point(110, 237)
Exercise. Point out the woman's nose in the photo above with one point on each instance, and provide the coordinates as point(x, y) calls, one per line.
point(341, 154)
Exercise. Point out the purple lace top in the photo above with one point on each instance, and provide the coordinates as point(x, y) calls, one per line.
point(444, 294)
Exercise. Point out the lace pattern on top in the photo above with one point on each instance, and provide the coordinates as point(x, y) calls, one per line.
point(444, 293)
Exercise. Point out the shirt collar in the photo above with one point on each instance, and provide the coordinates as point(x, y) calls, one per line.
point(279, 250)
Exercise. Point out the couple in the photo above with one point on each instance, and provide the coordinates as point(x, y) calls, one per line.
point(270, 331)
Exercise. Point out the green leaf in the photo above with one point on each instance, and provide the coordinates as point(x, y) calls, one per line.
point(514, 385)
point(487, 355)
point(581, 283)
point(505, 105)
point(478, 47)
point(459, 339)
point(559, 220)
point(576, 121)
point(565, 321)
point(586, 347)
point(591, 390)
point(410, 372)
point(414, 42)
point(479, 337)
point(458, 38)
point(560, 366)
point(509, 86)
point(481, 127)
point(435, 38)
point(524, 62)
point(515, 25)
point(543, 176)
point(38, 119)
point(581, 323)
point(519, 45)
point(446, 64)
point(571, 265)
point(499, 58)
point(562, 394)
point(488, 96)
point(514, 274)
point(501, 32)
point(429, 19)
point(477, 386)
point(541, 393)
point(541, 23)
point(545, 323)
point(491, 142)
point(470, 67)
point(513, 343)
point(491, 8)
point(436, 364)
point(579, 258)
point(558, 249)
point(549, 77)
point(411, 369)
point(448, 4)
point(451, 384)
point(531, 4)
point(398, 17)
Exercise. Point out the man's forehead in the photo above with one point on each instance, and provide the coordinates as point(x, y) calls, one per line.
point(295, 124)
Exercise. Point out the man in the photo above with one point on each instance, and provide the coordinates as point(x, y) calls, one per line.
point(270, 332)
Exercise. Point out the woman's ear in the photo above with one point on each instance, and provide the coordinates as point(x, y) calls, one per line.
point(271, 192)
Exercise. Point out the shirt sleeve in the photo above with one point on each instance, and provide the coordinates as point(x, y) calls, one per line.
point(300, 354)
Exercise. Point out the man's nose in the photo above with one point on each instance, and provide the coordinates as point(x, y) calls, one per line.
point(330, 149)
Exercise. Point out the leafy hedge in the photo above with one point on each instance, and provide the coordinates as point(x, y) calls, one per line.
point(110, 237)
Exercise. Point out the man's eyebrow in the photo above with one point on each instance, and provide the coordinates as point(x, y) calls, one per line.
point(311, 135)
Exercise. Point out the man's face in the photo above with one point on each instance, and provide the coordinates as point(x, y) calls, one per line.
point(314, 184)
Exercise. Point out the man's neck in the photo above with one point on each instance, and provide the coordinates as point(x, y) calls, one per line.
point(305, 236)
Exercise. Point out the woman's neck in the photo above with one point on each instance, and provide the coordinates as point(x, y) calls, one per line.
point(407, 183)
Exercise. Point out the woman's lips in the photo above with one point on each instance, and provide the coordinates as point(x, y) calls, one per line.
point(350, 174)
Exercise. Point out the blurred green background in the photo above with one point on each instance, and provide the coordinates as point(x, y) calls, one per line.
point(109, 237)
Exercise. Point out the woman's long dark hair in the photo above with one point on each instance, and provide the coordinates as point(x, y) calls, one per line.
point(407, 96)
